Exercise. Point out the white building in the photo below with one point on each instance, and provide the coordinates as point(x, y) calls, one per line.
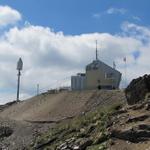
point(98, 76)
point(101, 76)
point(78, 82)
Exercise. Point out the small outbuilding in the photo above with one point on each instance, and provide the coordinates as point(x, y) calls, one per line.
point(78, 81)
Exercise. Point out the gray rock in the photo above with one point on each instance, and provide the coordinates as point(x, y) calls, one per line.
point(138, 118)
point(5, 131)
point(137, 89)
point(133, 135)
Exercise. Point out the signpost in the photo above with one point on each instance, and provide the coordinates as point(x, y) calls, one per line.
point(19, 68)
point(38, 86)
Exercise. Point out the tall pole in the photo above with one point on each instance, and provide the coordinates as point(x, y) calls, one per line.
point(96, 51)
point(18, 85)
point(38, 89)
point(125, 74)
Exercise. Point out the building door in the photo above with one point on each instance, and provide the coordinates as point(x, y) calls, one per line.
point(99, 85)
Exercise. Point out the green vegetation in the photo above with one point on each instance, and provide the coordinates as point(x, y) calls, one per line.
point(87, 130)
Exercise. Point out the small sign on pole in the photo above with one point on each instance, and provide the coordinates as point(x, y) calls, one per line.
point(19, 68)
point(19, 64)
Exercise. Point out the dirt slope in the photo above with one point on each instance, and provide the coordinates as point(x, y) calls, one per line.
point(53, 107)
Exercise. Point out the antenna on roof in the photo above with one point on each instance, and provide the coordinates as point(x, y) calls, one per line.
point(96, 51)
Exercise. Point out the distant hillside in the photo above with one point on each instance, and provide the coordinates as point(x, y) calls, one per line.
point(55, 107)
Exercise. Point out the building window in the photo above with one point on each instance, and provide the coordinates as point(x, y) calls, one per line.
point(109, 75)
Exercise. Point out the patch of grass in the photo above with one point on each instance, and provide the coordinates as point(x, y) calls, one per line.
point(102, 146)
point(115, 107)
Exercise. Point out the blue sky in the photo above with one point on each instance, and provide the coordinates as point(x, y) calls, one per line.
point(56, 39)
point(77, 16)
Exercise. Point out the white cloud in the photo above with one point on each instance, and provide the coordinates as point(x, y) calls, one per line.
point(111, 11)
point(8, 16)
point(50, 58)
point(138, 32)
point(136, 18)
point(116, 11)
point(141, 30)
point(96, 15)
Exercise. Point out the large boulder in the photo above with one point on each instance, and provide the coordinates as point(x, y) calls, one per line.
point(137, 89)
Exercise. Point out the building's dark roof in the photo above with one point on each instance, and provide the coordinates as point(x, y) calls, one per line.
point(96, 64)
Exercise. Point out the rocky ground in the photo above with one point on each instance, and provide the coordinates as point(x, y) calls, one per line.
point(17, 135)
point(117, 127)
point(113, 128)
point(130, 128)
point(85, 131)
